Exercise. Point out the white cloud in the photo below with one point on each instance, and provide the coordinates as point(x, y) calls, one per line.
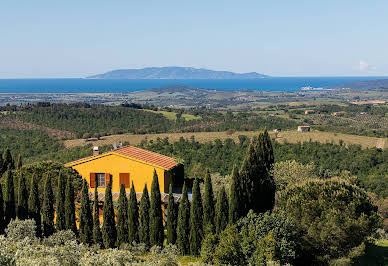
point(364, 66)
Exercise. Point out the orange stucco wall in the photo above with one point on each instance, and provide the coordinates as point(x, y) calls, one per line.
point(139, 172)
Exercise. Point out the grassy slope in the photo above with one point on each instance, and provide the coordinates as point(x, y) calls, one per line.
point(290, 136)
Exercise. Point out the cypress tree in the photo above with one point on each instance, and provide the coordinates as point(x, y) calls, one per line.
point(109, 233)
point(70, 206)
point(133, 217)
point(236, 200)
point(10, 211)
point(122, 217)
point(85, 218)
point(48, 208)
point(208, 204)
point(22, 206)
point(156, 215)
point(171, 218)
point(222, 207)
point(257, 182)
point(1, 165)
point(34, 206)
point(2, 221)
point(183, 226)
point(97, 235)
point(19, 163)
point(8, 162)
point(60, 204)
point(196, 220)
point(144, 226)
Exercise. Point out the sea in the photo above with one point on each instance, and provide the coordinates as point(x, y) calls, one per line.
point(79, 85)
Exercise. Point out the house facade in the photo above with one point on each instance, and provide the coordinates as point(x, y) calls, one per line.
point(125, 165)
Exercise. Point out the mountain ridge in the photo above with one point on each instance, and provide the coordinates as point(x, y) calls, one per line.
point(174, 73)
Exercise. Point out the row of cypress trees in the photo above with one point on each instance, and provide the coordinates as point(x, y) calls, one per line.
point(28, 205)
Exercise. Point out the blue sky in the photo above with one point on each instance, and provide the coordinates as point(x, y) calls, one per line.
point(280, 38)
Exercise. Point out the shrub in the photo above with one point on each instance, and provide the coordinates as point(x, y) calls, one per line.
point(228, 250)
point(18, 230)
point(255, 228)
point(107, 257)
point(333, 215)
point(60, 238)
point(208, 248)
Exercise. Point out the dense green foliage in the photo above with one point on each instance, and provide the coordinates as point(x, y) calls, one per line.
point(196, 220)
point(10, 206)
point(2, 221)
point(109, 233)
point(255, 227)
point(133, 217)
point(144, 225)
point(208, 205)
point(85, 216)
point(48, 208)
point(183, 226)
point(60, 220)
point(70, 205)
point(172, 216)
point(22, 205)
point(156, 216)
point(97, 234)
point(334, 217)
point(122, 217)
point(236, 201)
point(222, 211)
point(34, 206)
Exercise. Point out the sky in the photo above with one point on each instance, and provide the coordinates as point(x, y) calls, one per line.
point(70, 39)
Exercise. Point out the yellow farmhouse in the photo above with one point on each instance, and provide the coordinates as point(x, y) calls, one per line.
point(125, 165)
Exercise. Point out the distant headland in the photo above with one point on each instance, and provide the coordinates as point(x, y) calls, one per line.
point(175, 73)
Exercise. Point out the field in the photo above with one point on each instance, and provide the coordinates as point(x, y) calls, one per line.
point(290, 136)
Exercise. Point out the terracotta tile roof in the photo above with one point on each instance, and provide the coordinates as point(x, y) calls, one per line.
point(139, 154)
point(147, 156)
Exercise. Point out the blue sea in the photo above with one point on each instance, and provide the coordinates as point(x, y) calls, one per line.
point(129, 85)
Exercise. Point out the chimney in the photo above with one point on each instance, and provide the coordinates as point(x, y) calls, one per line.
point(95, 151)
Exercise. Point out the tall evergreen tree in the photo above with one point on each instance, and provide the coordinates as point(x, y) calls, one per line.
point(196, 220)
point(109, 233)
point(122, 217)
point(208, 204)
point(144, 226)
point(2, 218)
point(10, 211)
point(236, 199)
point(97, 235)
point(8, 162)
point(85, 218)
point(60, 204)
point(156, 215)
point(172, 216)
point(183, 226)
point(48, 208)
point(70, 206)
point(19, 163)
point(1, 165)
point(34, 206)
point(133, 217)
point(22, 205)
point(257, 182)
point(222, 210)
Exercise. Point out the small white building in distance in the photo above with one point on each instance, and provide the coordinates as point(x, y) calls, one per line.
point(306, 112)
point(303, 128)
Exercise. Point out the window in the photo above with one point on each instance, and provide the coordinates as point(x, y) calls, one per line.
point(100, 179)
